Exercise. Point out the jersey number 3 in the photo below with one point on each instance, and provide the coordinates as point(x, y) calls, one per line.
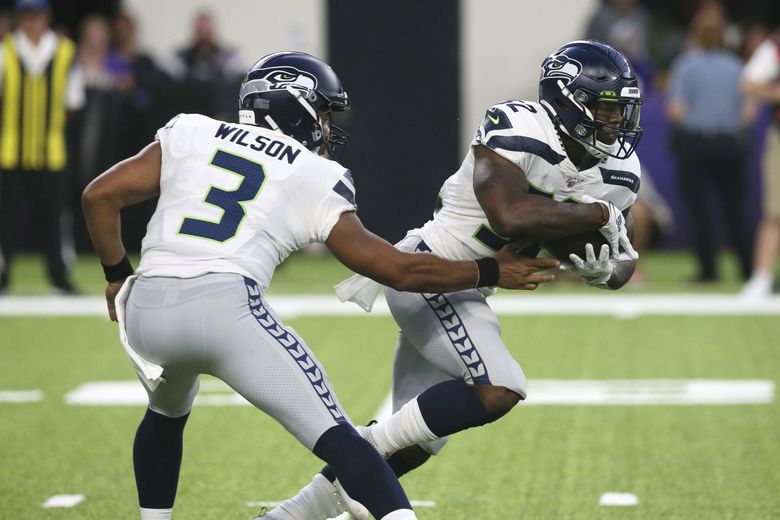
point(230, 201)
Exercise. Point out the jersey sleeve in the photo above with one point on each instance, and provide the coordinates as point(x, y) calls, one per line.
point(340, 199)
point(511, 130)
point(335, 195)
point(180, 136)
point(164, 131)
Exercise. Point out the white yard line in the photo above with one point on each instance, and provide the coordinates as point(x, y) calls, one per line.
point(650, 392)
point(619, 305)
point(541, 392)
point(618, 499)
point(63, 501)
point(20, 396)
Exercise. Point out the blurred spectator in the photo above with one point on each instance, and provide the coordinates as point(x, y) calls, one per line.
point(143, 111)
point(761, 82)
point(38, 86)
point(141, 88)
point(5, 24)
point(624, 24)
point(753, 34)
point(210, 70)
point(106, 74)
point(709, 141)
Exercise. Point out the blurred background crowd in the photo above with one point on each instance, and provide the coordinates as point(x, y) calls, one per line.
point(78, 92)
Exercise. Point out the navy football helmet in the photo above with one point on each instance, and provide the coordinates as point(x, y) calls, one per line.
point(287, 92)
point(592, 95)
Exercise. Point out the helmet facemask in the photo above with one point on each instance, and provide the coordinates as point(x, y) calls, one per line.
point(336, 142)
point(610, 126)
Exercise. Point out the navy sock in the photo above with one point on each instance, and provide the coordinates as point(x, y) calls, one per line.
point(405, 460)
point(401, 462)
point(452, 406)
point(328, 473)
point(361, 470)
point(157, 458)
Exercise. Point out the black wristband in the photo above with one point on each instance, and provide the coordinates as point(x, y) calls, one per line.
point(488, 272)
point(119, 271)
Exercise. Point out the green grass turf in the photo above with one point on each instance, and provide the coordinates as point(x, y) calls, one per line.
point(665, 271)
point(537, 462)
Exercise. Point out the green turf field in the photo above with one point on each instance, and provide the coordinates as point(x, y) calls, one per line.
point(664, 271)
point(538, 462)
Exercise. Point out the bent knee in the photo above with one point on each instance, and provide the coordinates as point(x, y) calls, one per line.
point(496, 400)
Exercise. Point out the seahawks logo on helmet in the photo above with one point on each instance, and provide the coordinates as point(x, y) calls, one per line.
point(279, 78)
point(561, 66)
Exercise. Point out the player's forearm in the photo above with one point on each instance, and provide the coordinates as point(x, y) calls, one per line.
point(537, 218)
point(428, 273)
point(104, 224)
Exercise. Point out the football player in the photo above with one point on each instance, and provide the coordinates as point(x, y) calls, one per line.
point(234, 201)
point(531, 175)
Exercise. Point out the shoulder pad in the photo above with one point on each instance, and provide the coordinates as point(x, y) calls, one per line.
point(517, 127)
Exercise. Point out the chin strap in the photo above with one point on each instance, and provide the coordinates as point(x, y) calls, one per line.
point(297, 95)
point(272, 124)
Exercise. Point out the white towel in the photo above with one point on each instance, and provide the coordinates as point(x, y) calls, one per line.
point(360, 290)
point(150, 374)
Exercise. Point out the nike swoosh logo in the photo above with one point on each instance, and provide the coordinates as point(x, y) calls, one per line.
point(495, 120)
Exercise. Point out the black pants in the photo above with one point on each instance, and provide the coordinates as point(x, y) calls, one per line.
point(715, 165)
point(30, 213)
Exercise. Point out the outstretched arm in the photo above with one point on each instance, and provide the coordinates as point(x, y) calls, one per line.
point(124, 184)
point(371, 256)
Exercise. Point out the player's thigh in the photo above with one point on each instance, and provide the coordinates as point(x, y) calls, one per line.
point(271, 366)
point(163, 317)
point(175, 396)
point(460, 335)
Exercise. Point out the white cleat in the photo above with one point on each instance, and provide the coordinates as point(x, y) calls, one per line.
point(365, 432)
point(757, 288)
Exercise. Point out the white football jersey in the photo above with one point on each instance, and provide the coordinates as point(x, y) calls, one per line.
point(239, 199)
point(521, 132)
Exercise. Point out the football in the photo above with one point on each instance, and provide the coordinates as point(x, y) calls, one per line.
point(563, 247)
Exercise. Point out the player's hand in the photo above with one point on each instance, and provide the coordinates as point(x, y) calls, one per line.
point(521, 272)
point(111, 291)
point(615, 229)
point(595, 271)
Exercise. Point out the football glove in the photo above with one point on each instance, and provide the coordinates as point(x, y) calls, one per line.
point(595, 271)
point(615, 229)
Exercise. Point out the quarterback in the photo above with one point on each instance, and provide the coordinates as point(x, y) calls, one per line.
point(234, 201)
point(530, 173)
